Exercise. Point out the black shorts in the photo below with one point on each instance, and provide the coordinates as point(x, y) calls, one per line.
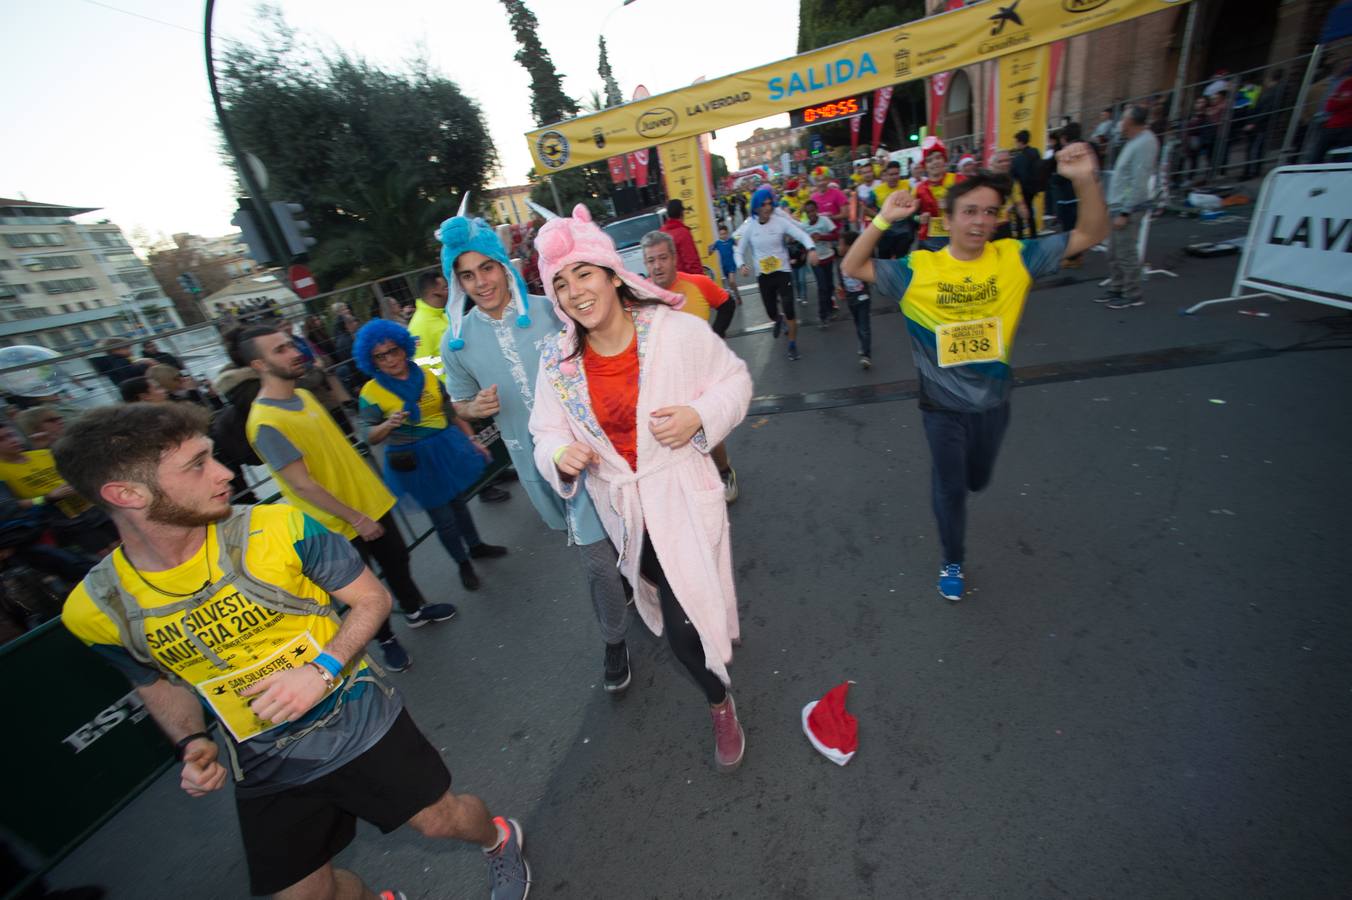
point(294, 832)
point(776, 290)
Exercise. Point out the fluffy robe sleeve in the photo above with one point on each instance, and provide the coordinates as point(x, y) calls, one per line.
point(551, 430)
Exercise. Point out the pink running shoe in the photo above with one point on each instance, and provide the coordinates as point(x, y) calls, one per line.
point(729, 739)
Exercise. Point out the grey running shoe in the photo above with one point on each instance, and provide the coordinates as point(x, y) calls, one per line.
point(508, 871)
point(1125, 303)
point(617, 668)
point(865, 362)
point(730, 490)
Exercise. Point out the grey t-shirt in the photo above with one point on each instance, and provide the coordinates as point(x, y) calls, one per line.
point(271, 445)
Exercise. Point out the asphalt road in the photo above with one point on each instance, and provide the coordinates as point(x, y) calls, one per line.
point(1145, 693)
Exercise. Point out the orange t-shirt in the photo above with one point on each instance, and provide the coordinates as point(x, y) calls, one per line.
point(612, 383)
point(701, 293)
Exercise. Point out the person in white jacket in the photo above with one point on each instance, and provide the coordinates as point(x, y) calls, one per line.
point(761, 246)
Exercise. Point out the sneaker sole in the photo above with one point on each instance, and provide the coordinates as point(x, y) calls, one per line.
point(1132, 305)
point(952, 598)
point(418, 623)
point(620, 687)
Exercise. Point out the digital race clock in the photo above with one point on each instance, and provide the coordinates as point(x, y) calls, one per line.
point(834, 111)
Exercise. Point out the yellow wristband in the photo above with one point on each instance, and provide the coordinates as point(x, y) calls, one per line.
point(880, 223)
point(38, 501)
point(559, 452)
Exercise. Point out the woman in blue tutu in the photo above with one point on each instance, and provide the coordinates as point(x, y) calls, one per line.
point(431, 457)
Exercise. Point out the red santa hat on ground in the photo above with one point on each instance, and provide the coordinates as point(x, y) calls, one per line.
point(832, 730)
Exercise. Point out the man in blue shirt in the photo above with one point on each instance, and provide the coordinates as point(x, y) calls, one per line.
point(726, 261)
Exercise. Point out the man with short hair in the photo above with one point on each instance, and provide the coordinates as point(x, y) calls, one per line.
point(233, 609)
point(428, 322)
point(1128, 202)
point(962, 306)
point(825, 233)
point(897, 241)
point(687, 254)
point(1012, 207)
point(319, 472)
point(701, 294)
point(1026, 169)
point(492, 356)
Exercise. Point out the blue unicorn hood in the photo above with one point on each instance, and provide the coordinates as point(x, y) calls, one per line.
point(462, 234)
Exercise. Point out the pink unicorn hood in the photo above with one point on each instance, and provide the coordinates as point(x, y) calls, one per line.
point(562, 242)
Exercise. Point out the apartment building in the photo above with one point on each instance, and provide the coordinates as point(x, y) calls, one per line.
point(65, 284)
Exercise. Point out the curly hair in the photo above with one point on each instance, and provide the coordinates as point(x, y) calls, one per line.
point(372, 335)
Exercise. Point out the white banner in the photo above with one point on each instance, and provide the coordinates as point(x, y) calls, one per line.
point(1300, 239)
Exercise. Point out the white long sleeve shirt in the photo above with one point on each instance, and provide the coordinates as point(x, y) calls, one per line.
point(768, 252)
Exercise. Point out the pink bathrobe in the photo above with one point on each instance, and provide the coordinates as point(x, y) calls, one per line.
point(676, 494)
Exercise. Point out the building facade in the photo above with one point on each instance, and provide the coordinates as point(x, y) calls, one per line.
point(509, 204)
point(765, 145)
point(66, 284)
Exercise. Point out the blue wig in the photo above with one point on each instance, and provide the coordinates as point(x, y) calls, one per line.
point(762, 194)
point(410, 389)
point(372, 335)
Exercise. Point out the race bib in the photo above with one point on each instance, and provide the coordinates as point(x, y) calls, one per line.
point(962, 343)
point(222, 694)
point(769, 264)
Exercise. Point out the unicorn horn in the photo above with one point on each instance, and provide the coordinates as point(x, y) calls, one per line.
point(541, 210)
point(464, 205)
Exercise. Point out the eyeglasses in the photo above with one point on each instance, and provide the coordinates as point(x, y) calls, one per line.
point(392, 353)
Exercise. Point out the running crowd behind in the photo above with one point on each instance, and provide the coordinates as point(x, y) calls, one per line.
point(614, 395)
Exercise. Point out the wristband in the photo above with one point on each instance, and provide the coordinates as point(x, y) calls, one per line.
point(323, 673)
point(880, 223)
point(329, 663)
point(181, 747)
point(38, 501)
point(559, 453)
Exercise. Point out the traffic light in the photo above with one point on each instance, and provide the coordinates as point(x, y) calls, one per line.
point(295, 230)
point(915, 137)
point(246, 219)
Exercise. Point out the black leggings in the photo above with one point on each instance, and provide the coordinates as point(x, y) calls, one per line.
point(776, 290)
point(681, 634)
point(391, 553)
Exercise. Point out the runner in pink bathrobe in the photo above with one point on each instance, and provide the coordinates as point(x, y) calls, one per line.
point(643, 453)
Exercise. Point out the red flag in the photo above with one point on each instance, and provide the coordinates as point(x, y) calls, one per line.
point(638, 162)
point(616, 164)
point(854, 133)
point(882, 99)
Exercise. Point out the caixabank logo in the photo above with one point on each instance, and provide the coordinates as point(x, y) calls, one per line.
point(1002, 41)
point(1082, 6)
point(552, 148)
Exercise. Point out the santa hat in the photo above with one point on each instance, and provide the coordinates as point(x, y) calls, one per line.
point(932, 144)
point(965, 160)
point(832, 730)
point(562, 242)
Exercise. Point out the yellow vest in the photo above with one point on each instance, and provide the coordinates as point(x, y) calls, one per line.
point(427, 326)
point(332, 462)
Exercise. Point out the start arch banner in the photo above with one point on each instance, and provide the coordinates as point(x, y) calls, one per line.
point(917, 49)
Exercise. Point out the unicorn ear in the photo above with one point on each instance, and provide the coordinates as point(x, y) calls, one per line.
point(464, 204)
point(581, 213)
point(541, 210)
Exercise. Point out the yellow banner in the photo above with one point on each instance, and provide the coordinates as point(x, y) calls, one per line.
point(1021, 90)
point(686, 179)
point(915, 50)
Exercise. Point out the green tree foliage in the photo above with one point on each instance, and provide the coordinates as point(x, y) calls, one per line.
point(548, 103)
point(825, 22)
point(613, 95)
point(375, 157)
point(719, 166)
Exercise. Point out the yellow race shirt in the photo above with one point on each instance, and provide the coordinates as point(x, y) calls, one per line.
point(284, 431)
point(939, 192)
point(35, 476)
point(881, 191)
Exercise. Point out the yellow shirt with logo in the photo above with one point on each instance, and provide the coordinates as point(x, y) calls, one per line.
point(330, 459)
point(430, 405)
point(35, 476)
point(427, 325)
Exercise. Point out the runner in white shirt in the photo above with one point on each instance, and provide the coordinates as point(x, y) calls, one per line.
point(764, 235)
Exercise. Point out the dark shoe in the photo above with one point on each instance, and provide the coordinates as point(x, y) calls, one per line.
point(794, 355)
point(396, 657)
point(617, 668)
point(492, 494)
point(432, 612)
point(487, 551)
point(1109, 297)
point(1125, 303)
point(468, 577)
point(779, 327)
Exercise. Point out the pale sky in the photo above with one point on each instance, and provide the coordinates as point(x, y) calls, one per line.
point(108, 108)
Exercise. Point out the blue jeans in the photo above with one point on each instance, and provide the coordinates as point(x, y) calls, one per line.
point(860, 308)
point(455, 529)
point(963, 447)
point(799, 282)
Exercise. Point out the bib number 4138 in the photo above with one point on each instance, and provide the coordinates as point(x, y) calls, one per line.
point(963, 343)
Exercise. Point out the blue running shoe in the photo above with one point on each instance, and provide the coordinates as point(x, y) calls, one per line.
point(950, 582)
point(508, 871)
point(432, 612)
point(396, 657)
